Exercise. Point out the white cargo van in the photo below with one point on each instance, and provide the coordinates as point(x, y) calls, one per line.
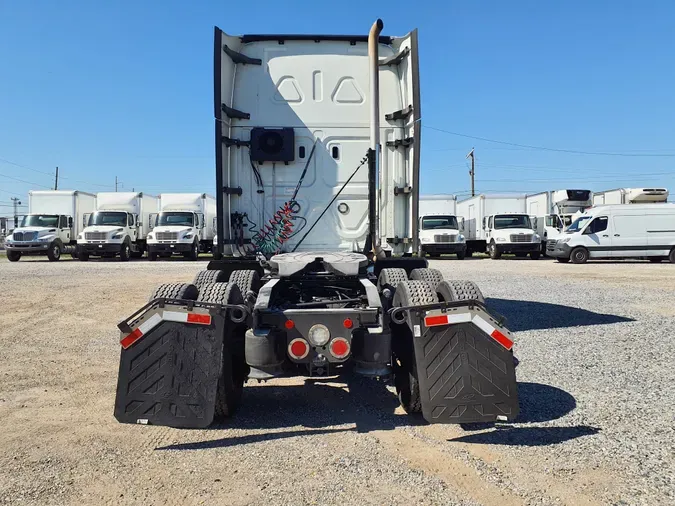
point(439, 229)
point(619, 231)
point(185, 224)
point(556, 210)
point(119, 226)
point(54, 219)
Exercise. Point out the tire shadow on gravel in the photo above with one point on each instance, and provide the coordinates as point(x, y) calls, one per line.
point(522, 315)
point(527, 436)
point(310, 409)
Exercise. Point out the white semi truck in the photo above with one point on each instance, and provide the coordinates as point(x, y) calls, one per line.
point(556, 210)
point(119, 226)
point(317, 172)
point(185, 225)
point(498, 224)
point(631, 196)
point(438, 226)
point(54, 220)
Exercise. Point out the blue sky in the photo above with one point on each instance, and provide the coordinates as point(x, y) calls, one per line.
point(125, 88)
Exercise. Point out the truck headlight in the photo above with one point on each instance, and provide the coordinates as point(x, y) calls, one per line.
point(44, 239)
point(150, 236)
point(117, 236)
point(565, 240)
point(426, 239)
point(318, 335)
point(460, 238)
point(80, 237)
point(536, 238)
point(187, 236)
point(501, 239)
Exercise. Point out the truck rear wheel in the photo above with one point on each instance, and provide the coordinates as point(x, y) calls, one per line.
point(13, 256)
point(54, 252)
point(234, 370)
point(579, 255)
point(431, 276)
point(185, 291)
point(408, 293)
point(125, 252)
point(449, 291)
point(207, 277)
point(248, 281)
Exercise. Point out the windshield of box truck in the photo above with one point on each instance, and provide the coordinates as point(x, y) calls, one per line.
point(578, 224)
point(176, 218)
point(512, 221)
point(115, 218)
point(434, 222)
point(40, 220)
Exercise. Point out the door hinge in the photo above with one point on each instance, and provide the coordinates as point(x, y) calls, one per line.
point(399, 190)
point(234, 142)
point(408, 141)
point(402, 114)
point(241, 58)
point(234, 113)
point(232, 191)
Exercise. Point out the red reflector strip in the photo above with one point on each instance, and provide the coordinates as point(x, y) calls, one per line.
point(502, 339)
point(131, 338)
point(434, 321)
point(203, 319)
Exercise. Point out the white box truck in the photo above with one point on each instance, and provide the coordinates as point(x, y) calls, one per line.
point(54, 220)
point(498, 224)
point(185, 225)
point(631, 196)
point(294, 292)
point(555, 210)
point(619, 231)
point(119, 226)
point(438, 226)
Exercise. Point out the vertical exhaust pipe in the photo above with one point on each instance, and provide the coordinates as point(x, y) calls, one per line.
point(374, 151)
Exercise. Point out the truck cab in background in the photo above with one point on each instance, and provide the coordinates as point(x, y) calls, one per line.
point(51, 226)
point(185, 225)
point(511, 233)
point(439, 228)
point(118, 227)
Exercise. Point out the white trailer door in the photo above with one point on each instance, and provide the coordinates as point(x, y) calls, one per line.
point(472, 221)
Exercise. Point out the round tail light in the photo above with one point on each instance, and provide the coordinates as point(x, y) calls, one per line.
point(298, 348)
point(339, 347)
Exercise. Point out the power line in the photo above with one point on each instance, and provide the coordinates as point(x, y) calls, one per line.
point(24, 181)
point(543, 148)
point(51, 174)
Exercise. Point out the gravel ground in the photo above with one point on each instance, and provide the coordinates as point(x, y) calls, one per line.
point(595, 377)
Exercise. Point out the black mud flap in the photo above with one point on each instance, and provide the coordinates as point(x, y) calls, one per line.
point(169, 376)
point(465, 374)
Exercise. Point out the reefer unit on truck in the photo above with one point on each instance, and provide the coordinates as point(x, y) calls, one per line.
point(54, 220)
point(185, 224)
point(438, 226)
point(119, 226)
point(631, 196)
point(297, 119)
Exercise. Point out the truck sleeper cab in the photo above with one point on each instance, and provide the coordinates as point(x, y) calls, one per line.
point(511, 233)
point(619, 231)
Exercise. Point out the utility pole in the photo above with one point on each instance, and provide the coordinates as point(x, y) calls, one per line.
point(56, 180)
point(472, 172)
point(16, 203)
point(116, 183)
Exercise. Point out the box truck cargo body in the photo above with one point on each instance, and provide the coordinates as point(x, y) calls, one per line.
point(631, 196)
point(185, 224)
point(119, 226)
point(54, 220)
point(498, 224)
point(555, 210)
point(438, 226)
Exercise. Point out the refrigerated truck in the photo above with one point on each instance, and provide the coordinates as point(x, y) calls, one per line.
point(555, 210)
point(498, 224)
point(631, 196)
point(119, 226)
point(54, 220)
point(184, 225)
point(438, 227)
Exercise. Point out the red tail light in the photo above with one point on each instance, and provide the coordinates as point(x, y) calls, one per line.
point(298, 349)
point(339, 347)
point(348, 323)
point(289, 324)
